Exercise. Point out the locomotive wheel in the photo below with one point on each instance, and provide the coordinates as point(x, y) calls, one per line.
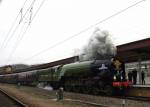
point(68, 88)
point(75, 89)
point(95, 91)
point(79, 89)
point(108, 90)
point(86, 90)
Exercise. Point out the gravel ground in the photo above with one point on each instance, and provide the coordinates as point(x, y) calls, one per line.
point(6, 102)
point(37, 97)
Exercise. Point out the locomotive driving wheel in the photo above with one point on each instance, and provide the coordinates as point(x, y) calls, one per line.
point(68, 88)
point(108, 90)
point(86, 90)
point(95, 90)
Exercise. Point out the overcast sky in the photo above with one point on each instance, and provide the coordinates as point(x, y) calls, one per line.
point(58, 20)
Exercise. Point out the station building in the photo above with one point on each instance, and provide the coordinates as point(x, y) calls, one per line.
point(136, 56)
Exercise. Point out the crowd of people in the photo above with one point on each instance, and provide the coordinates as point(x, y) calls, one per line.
point(132, 76)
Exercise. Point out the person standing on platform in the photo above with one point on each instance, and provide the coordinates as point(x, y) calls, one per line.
point(134, 72)
point(130, 76)
point(143, 77)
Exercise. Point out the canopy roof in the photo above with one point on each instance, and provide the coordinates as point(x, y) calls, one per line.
point(134, 51)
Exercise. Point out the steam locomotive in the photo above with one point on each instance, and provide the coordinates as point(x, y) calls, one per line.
point(92, 77)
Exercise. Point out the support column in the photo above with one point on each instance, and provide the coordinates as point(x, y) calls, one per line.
point(139, 68)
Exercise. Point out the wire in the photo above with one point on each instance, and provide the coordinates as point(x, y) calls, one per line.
point(38, 10)
point(82, 31)
point(21, 36)
point(5, 39)
point(18, 24)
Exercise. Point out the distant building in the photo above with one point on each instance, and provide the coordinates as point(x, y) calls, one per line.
point(8, 69)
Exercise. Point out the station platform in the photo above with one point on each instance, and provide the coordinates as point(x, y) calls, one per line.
point(139, 90)
point(142, 86)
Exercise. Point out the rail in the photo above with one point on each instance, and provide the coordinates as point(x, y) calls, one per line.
point(14, 99)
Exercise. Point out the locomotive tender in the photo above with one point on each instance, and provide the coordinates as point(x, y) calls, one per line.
point(90, 77)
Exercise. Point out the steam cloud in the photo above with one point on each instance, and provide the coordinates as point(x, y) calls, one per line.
point(99, 46)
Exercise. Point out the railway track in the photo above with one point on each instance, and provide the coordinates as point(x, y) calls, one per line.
point(10, 101)
point(88, 103)
point(137, 98)
point(75, 99)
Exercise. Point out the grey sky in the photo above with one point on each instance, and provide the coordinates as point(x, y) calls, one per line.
point(60, 19)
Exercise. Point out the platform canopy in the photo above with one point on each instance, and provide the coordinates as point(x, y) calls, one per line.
point(135, 51)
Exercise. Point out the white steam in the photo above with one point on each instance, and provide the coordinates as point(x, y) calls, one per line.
point(99, 46)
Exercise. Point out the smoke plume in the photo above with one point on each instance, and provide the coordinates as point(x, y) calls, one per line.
point(99, 46)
